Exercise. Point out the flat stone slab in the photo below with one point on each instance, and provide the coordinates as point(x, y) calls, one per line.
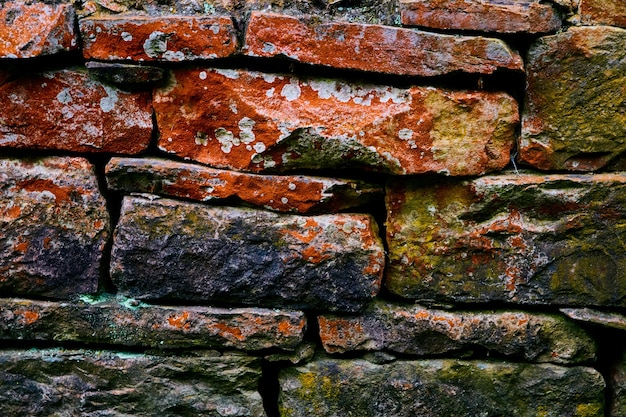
point(508, 16)
point(527, 239)
point(97, 383)
point(573, 117)
point(68, 110)
point(602, 318)
point(376, 48)
point(258, 122)
point(416, 330)
point(603, 12)
point(334, 388)
point(125, 74)
point(53, 227)
point(166, 249)
point(283, 193)
point(132, 323)
point(36, 29)
point(158, 38)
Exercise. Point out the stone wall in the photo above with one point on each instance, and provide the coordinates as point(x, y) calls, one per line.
point(313, 208)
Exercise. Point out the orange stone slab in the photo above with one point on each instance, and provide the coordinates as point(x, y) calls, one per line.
point(30, 30)
point(67, 110)
point(375, 48)
point(603, 12)
point(158, 38)
point(292, 193)
point(508, 16)
point(263, 122)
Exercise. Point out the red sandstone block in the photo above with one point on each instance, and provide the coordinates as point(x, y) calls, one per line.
point(603, 12)
point(163, 38)
point(30, 30)
point(375, 48)
point(509, 16)
point(67, 110)
point(263, 122)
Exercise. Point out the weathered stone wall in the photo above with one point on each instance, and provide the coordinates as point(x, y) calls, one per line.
point(313, 208)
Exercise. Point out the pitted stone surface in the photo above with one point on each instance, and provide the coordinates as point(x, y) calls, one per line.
point(603, 12)
point(418, 330)
point(164, 249)
point(574, 115)
point(69, 111)
point(264, 122)
point(53, 227)
point(529, 239)
point(374, 47)
point(158, 38)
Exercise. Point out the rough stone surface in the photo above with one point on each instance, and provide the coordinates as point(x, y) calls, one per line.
point(164, 249)
point(574, 114)
point(603, 318)
point(67, 110)
point(603, 12)
point(530, 239)
point(131, 323)
point(53, 227)
point(617, 384)
point(374, 48)
point(337, 388)
point(422, 331)
point(99, 383)
point(125, 74)
point(31, 30)
point(162, 38)
point(509, 16)
point(263, 122)
point(293, 193)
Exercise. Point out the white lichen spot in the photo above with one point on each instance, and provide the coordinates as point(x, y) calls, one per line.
point(67, 112)
point(269, 48)
point(226, 139)
point(202, 75)
point(432, 210)
point(126, 37)
point(284, 200)
point(174, 56)
point(292, 186)
point(270, 78)
point(268, 162)
point(156, 44)
point(108, 103)
point(201, 138)
point(259, 147)
point(215, 29)
point(270, 93)
point(232, 105)
point(256, 158)
point(64, 97)
point(246, 135)
point(291, 91)
point(228, 73)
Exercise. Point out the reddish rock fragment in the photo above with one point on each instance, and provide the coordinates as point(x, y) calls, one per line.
point(508, 16)
point(122, 322)
point(603, 12)
point(374, 48)
point(67, 110)
point(53, 227)
point(31, 30)
point(294, 193)
point(264, 122)
point(158, 38)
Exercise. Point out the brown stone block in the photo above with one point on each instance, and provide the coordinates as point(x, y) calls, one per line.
point(603, 12)
point(265, 122)
point(35, 29)
point(158, 38)
point(374, 48)
point(67, 110)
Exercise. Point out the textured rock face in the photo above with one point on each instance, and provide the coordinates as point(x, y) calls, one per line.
point(163, 38)
point(526, 239)
point(53, 227)
point(618, 385)
point(374, 48)
point(603, 12)
point(31, 30)
point(573, 117)
point(293, 193)
point(512, 16)
point(87, 383)
point(422, 331)
point(334, 388)
point(263, 122)
point(165, 249)
point(130, 323)
point(67, 110)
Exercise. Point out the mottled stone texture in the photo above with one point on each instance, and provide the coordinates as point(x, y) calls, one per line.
point(162, 38)
point(530, 239)
point(288, 193)
point(53, 227)
point(31, 30)
point(602, 318)
point(67, 110)
point(574, 115)
point(164, 249)
point(617, 384)
point(603, 12)
point(420, 331)
point(508, 16)
point(263, 122)
point(374, 48)
point(125, 74)
point(131, 323)
point(434, 388)
point(87, 383)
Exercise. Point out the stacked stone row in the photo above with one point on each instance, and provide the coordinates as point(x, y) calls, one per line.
point(264, 209)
